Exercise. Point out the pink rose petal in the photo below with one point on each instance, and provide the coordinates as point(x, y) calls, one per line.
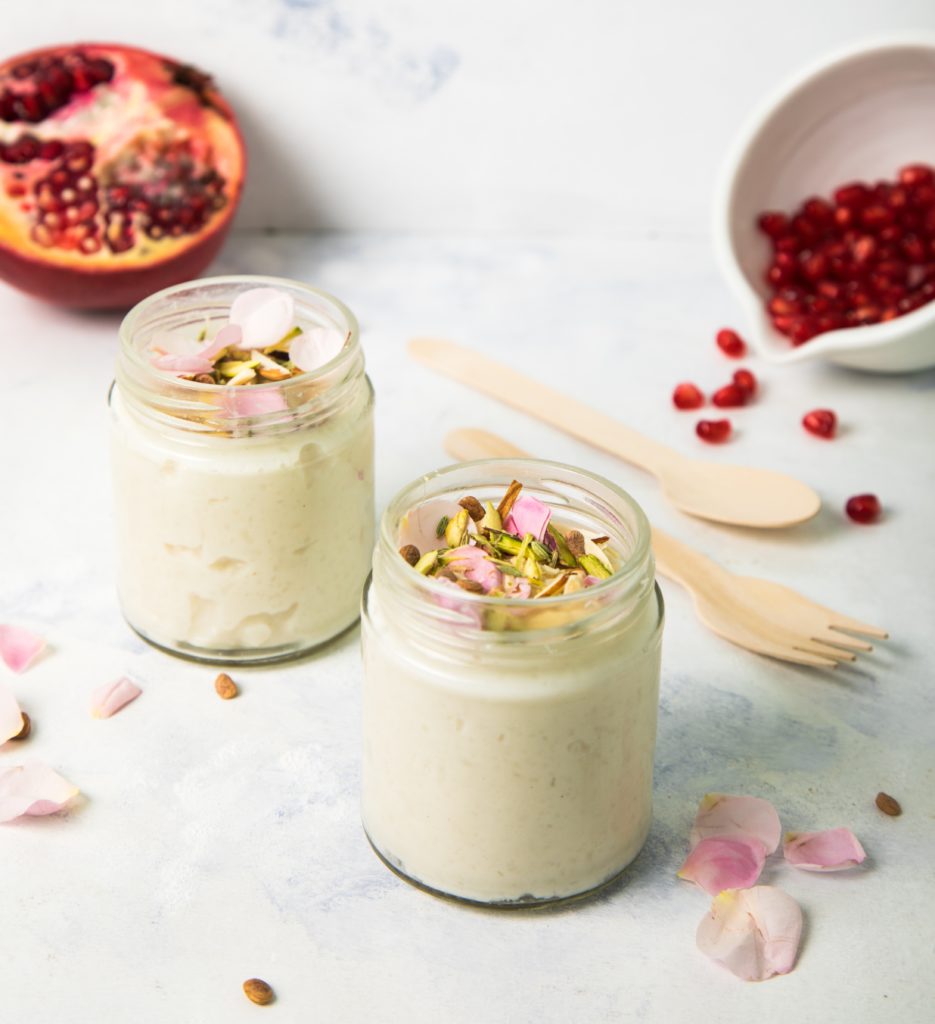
point(194, 363)
point(229, 336)
point(32, 789)
point(835, 849)
point(720, 814)
point(108, 699)
point(754, 933)
point(716, 864)
point(266, 316)
point(19, 648)
point(475, 565)
point(11, 717)
point(240, 401)
point(420, 524)
point(315, 347)
point(528, 515)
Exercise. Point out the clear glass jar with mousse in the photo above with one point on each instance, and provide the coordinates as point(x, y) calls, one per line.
point(243, 528)
point(508, 743)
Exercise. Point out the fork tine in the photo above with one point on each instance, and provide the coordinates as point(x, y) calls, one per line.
point(842, 622)
point(796, 656)
point(824, 650)
point(838, 639)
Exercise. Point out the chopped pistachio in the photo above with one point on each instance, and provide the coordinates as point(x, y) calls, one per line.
point(555, 586)
point(593, 566)
point(456, 532)
point(574, 583)
point(427, 563)
point(491, 520)
point(504, 541)
point(541, 552)
point(441, 526)
point(561, 546)
point(243, 376)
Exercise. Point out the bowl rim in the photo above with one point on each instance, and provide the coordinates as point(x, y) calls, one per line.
point(846, 339)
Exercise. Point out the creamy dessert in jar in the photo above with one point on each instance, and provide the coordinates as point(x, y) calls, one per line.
point(243, 468)
point(511, 642)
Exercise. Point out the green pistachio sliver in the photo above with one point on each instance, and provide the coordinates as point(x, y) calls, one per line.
point(504, 541)
point(531, 569)
point(456, 531)
point(540, 551)
point(202, 334)
point(288, 336)
point(491, 520)
point(506, 567)
point(524, 547)
point(564, 553)
point(441, 526)
point(427, 563)
point(593, 566)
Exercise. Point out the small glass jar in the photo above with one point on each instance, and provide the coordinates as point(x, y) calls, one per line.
point(244, 527)
point(508, 743)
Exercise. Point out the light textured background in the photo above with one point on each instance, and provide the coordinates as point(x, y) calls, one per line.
point(489, 115)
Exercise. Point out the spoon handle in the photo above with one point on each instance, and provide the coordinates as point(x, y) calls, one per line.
point(542, 402)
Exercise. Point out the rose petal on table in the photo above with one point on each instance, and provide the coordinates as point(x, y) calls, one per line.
point(256, 400)
point(834, 849)
point(475, 565)
point(11, 717)
point(108, 699)
point(19, 647)
point(528, 515)
point(717, 863)
point(315, 347)
point(266, 315)
point(420, 525)
point(754, 933)
point(720, 814)
point(32, 789)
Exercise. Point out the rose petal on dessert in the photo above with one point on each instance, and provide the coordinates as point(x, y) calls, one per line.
point(720, 814)
point(754, 933)
point(229, 336)
point(32, 789)
point(108, 699)
point(834, 849)
point(11, 717)
point(475, 565)
point(528, 515)
point(19, 647)
point(420, 525)
point(266, 316)
point(194, 363)
point(315, 347)
point(716, 863)
point(253, 401)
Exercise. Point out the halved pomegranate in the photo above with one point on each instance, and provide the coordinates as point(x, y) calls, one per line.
point(120, 171)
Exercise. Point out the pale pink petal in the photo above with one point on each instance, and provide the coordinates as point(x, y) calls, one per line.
point(108, 699)
point(174, 343)
point(315, 347)
point(195, 363)
point(266, 316)
point(528, 515)
point(517, 587)
point(720, 814)
point(475, 565)
point(19, 648)
point(716, 864)
point(11, 717)
point(229, 336)
point(754, 933)
point(835, 849)
point(253, 401)
point(32, 789)
point(419, 526)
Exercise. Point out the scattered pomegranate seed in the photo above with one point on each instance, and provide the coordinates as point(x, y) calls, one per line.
point(863, 508)
point(731, 344)
point(687, 396)
point(713, 431)
point(729, 396)
point(820, 422)
point(747, 383)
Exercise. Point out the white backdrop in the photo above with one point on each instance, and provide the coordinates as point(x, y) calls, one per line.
point(604, 116)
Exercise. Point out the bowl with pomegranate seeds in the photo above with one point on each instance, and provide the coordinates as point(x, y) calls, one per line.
point(825, 218)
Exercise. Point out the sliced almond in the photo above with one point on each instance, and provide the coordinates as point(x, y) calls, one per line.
point(258, 991)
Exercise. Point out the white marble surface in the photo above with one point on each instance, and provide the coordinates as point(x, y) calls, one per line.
point(216, 841)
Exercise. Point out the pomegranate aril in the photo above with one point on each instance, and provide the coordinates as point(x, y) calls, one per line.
point(772, 223)
point(814, 265)
point(820, 422)
point(863, 508)
point(730, 343)
point(728, 397)
point(687, 396)
point(746, 382)
point(713, 431)
point(853, 194)
point(916, 174)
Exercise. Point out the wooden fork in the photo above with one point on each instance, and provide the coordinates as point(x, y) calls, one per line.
point(756, 614)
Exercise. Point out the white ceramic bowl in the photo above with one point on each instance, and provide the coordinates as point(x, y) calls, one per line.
point(859, 115)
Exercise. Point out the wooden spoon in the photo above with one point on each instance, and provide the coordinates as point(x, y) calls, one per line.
point(738, 495)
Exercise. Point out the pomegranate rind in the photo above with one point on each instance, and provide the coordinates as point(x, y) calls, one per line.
point(149, 101)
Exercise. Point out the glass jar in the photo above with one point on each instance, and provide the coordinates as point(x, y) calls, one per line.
point(243, 535)
point(508, 743)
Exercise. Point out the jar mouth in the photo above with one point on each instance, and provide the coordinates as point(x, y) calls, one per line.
point(618, 512)
point(206, 407)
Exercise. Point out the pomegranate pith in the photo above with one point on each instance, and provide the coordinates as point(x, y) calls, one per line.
point(864, 508)
point(120, 171)
point(730, 343)
point(713, 431)
point(687, 396)
point(820, 422)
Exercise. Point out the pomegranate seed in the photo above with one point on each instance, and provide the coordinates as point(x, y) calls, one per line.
point(731, 344)
point(864, 508)
point(814, 265)
point(821, 422)
point(713, 431)
point(746, 382)
point(854, 194)
point(818, 211)
point(687, 396)
point(772, 223)
point(729, 396)
point(917, 174)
